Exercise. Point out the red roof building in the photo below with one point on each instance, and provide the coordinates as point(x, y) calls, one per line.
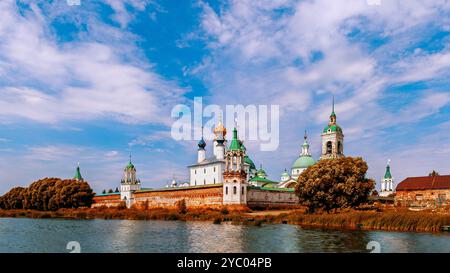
point(425, 183)
point(426, 191)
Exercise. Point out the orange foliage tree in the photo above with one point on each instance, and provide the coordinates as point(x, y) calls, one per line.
point(334, 183)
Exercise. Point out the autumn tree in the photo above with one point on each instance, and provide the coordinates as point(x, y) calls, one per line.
point(334, 183)
point(49, 194)
point(13, 199)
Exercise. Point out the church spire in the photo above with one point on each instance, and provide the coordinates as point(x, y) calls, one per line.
point(305, 146)
point(388, 174)
point(78, 176)
point(333, 114)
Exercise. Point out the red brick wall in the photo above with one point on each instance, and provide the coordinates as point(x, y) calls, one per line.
point(108, 201)
point(422, 198)
point(194, 197)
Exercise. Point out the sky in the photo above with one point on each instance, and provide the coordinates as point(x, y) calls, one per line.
point(96, 82)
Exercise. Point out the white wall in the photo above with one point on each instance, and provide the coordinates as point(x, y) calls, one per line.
point(206, 174)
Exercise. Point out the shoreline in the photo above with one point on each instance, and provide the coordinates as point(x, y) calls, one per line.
point(390, 220)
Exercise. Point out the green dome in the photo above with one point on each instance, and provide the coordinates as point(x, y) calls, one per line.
point(303, 162)
point(285, 174)
point(130, 166)
point(261, 173)
point(334, 128)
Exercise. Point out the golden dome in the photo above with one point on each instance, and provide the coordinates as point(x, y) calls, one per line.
point(220, 129)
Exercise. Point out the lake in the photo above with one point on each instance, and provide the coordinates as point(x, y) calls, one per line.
point(53, 235)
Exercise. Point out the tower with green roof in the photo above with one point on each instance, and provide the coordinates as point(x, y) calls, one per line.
point(332, 138)
point(129, 183)
point(235, 176)
point(78, 176)
point(387, 182)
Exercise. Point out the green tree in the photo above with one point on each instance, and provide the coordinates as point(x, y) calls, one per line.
point(117, 189)
point(104, 191)
point(110, 191)
point(334, 183)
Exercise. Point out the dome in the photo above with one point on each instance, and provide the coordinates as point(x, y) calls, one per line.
point(202, 144)
point(220, 130)
point(285, 174)
point(261, 173)
point(129, 166)
point(333, 128)
point(303, 162)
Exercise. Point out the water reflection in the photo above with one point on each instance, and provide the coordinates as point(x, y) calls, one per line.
point(52, 235)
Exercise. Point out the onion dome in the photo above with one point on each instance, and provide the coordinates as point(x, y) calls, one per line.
point(285, 174)
point(201, 144)
point(261, 173)
point(130, 165)
point(220, 131)
point(332, 125)
point(305, 159)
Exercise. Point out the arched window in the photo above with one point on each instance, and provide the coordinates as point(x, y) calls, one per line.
point(242, 191)
point(204, 181)
point(234, 190)
point(214, 180)
point(329, 147)
point(339, 147)
point(204, 170)
point(226, 190)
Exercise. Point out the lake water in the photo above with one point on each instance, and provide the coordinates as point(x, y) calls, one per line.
point(53, 235)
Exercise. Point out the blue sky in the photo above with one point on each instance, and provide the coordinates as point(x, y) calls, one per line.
point(96, 82)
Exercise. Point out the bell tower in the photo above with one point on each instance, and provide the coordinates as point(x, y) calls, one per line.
point(332, 138)
point(234, 176)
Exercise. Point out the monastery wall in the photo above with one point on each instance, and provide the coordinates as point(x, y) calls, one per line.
point(112, 200)
point(209, 195)
point(259, 198)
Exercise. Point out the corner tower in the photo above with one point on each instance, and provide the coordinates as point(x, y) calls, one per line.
point(234, 176)
point(332, 139)
point(129, 184)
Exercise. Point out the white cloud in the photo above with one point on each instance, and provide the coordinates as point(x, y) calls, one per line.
point(51, 82)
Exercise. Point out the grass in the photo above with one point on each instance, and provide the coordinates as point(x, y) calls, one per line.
point(388, 219)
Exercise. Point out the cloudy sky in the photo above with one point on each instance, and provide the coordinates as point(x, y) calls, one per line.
point(96, 82)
